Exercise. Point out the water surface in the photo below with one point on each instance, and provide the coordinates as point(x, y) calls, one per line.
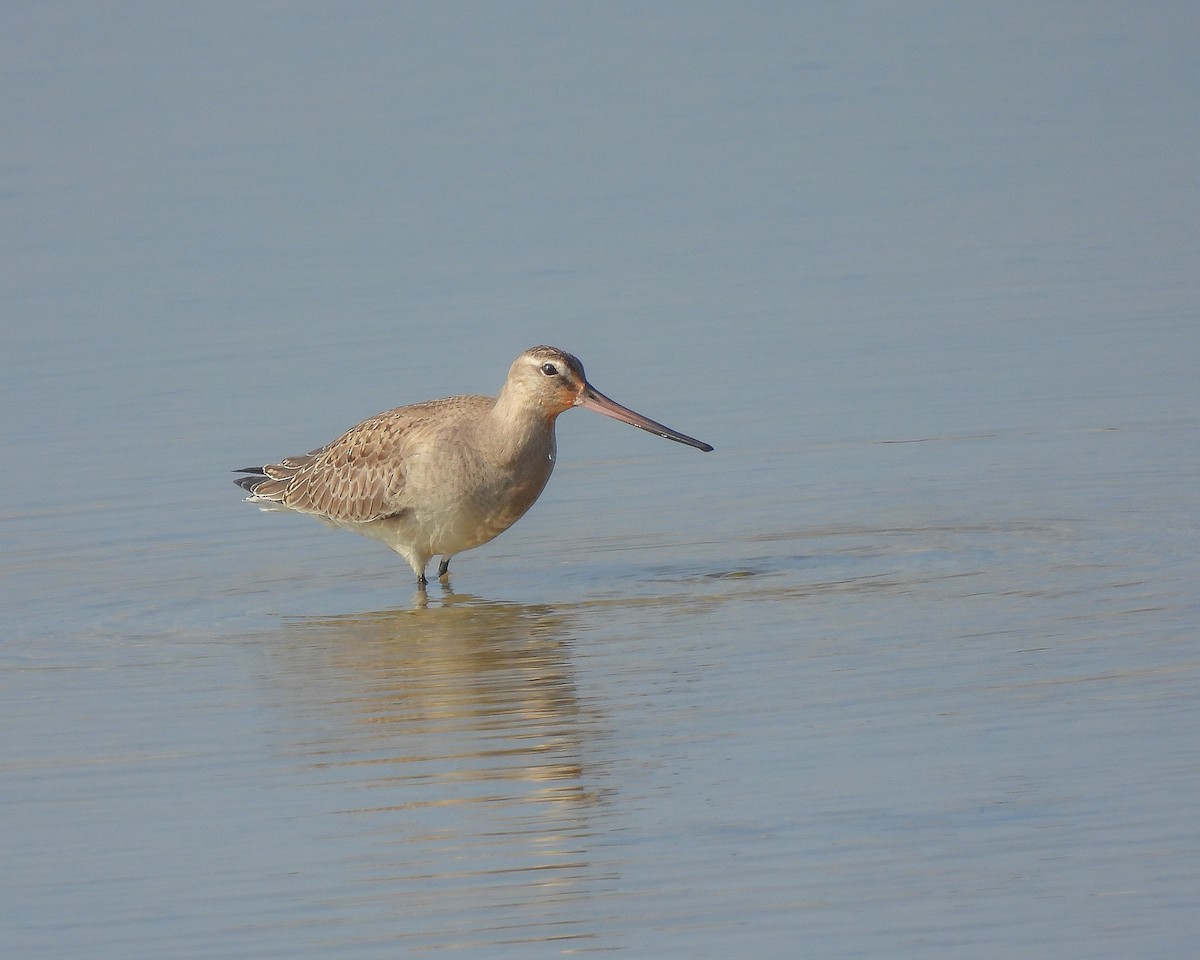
point(906, 667)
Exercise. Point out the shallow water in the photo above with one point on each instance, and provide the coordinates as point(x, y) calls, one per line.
point(907, 665)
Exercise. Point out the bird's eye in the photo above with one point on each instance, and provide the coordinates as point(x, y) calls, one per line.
point(549, 369)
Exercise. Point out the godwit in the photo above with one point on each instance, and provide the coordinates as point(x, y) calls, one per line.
point(436, 478)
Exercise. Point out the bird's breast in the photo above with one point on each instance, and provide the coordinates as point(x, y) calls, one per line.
point(471, 492)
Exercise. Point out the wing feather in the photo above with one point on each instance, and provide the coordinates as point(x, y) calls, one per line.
point(360, 476)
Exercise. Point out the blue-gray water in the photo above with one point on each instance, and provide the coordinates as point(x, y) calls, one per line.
point(907, 667)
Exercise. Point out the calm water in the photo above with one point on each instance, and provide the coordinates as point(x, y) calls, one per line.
point(907, 667)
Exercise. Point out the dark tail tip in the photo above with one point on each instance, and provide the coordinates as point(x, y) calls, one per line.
point(248, 483)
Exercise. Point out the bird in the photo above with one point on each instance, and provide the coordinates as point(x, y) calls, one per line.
point(436, 478)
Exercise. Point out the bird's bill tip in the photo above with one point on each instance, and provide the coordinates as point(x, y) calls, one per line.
point(592, 399)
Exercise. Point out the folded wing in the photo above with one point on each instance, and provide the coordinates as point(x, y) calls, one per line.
point(358, 477)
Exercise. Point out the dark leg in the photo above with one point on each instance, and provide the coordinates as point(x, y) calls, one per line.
point(422, 583)
point(444, 568)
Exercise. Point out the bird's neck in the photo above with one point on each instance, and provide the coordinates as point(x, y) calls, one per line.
point(516, 433)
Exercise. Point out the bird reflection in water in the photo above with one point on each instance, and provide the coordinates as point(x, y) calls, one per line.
point(455, 736)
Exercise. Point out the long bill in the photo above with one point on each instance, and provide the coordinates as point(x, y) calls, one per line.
point(592, 399)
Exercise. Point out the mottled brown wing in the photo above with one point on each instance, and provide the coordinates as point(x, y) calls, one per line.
point(360, 476)
point(357, 477)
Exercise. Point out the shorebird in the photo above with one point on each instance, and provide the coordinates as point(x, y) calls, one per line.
point(433, 479)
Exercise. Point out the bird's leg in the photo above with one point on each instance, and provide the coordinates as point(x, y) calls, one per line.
point(418, 565)
point(444, 568)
